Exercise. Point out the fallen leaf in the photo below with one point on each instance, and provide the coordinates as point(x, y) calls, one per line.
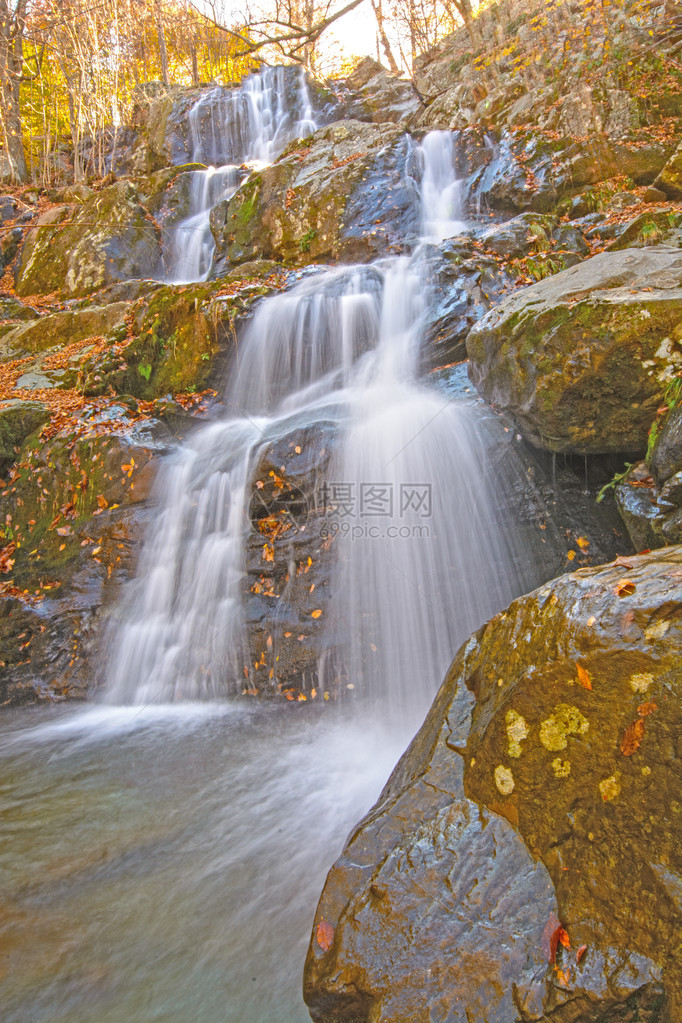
point(316, 614)
point(563, 978)
point(65, 531)
point(632, 738)
point(580, 953)
point(623, 562)
point(647, 708)
point(591, 620)
point(570, 555)
point(550, 937)
point(564, 938)
point(584, 677)
point(324, 935)
point(624, 587)
point(583, 543)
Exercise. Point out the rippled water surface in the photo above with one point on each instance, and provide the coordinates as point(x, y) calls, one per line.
point(164, 864)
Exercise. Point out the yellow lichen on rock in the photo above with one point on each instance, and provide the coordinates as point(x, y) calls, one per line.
point(504, 780)
point(566, 720)
point(517, 731)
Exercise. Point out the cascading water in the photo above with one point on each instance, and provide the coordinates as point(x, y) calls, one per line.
point(420, 559)
point(163, 859)
point(229, 128)
point(440, 188)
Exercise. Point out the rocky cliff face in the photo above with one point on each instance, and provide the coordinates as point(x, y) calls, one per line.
point(552, 174)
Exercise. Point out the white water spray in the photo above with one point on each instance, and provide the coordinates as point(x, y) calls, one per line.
point(230, 128)
point(420, 558)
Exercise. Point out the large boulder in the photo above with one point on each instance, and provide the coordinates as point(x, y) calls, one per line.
point(581, 360)
point(343, 195)
point(377, 95)
point(524, 859)
point(78, 249)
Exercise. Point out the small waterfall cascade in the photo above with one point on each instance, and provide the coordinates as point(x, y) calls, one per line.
point(183, 635)
point(440, 188)
point(229, 128)
point(420, 556)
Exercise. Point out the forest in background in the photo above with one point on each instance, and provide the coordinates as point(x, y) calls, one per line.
point(73, 70)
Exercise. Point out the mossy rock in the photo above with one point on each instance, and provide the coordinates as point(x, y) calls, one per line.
point(176, 337)
point(341, 194)
point(18, 420)
point(582, 359)
point(77, 250)
point(555, 734)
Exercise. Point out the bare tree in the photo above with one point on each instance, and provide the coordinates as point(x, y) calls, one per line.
point(12, 27)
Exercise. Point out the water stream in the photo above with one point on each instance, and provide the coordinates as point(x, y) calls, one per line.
point(165, 850)
point(229, 130)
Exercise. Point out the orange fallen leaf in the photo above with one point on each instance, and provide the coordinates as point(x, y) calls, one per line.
point(563, 938)
point(584, 677)
point(563, 978)
point(570, 555)
point(550, 937)
point(624, 587)
point(580, 953)
point(316, 614)
point(324, 935)
point(647, 708)
point(632, 738)
point(623, 562)
point(583, 543)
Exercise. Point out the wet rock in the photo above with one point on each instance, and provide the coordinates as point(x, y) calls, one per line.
point(379, 96)
point(554, 734)
point(77, 250)
point(71, 510)
point(288, 565)
point(342, 196)
point(177, 339)
point(649, 497)
point(651, 514)
point(8, 208)
point(666, 457)
point(18, 420)
point(581, 360)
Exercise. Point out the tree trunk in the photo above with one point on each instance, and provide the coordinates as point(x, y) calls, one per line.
point(12, 23)
point(386, 46)
point(162, 44)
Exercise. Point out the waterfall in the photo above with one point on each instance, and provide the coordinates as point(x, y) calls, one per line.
point(440, 189)
point(229, 128)
point(420, 555)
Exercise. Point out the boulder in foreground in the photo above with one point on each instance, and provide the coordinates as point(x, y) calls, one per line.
point(524, 861)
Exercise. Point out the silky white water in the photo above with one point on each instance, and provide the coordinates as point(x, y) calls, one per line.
point(229, 128)
point(164, 850)
point(420, 559)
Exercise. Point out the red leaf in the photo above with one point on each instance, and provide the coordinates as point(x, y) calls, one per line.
point(324, 935)
point(632, 738)
point(580, 953)
point(550, 937)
